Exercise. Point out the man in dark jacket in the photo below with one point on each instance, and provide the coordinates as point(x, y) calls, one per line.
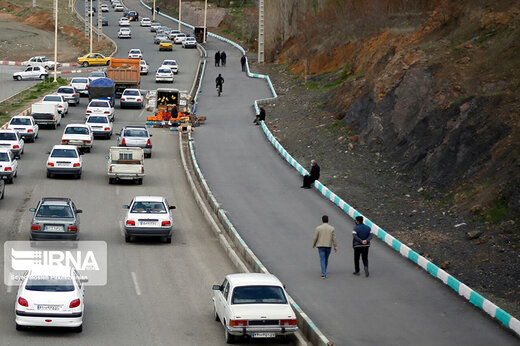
point(219, 81)
point(223, 57)
point(217, 59)
point(243, 63)
point(361, 237)
point(260, 116)
point(313, 175)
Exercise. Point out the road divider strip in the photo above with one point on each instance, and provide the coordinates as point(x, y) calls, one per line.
point(19, 63)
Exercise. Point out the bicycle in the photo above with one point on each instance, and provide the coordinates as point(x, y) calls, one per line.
point(219, 89)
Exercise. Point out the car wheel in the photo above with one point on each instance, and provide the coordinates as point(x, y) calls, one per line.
point(230, 339)
point(16, 173)
point(168, 240)
point(3, 193)
point(108, 62)
point(85, 64)
point(140, 181)
point(111, 180)
point(128, 239)
point(49, 175)
point(42, 76)
point(55, 126)
point(78, 329)
point(78, 176)
point(87, 150)
point(9, 180)
point(19, 327)
point(215, 314)
point(19, 77)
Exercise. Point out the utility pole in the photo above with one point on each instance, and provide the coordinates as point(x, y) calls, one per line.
point(90, 33)
point(180, 12)
point(99, 21)
point(261, 31)
point(55, 39)
point(153, 15)
point(205, 18)
point(86, 19)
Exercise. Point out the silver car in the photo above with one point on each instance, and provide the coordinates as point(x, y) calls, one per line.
point(70, 94)
point(136, 136)
point(55, 218)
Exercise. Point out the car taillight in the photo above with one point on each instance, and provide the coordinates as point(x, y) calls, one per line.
point(86, 86)
point(238, 323)
point(36, 227)
point(107, 128)
point(87, 142)
point(166, 223)
point(107, 112)
point(110, 169)
point(30, 130)
point(148, 143)
point(16, 146)
point(23, 302)
point(123, 142)
point(60, 106)
point(130, 222)
point(76, 164)
point(89, 111)
point(291, 322)
point(142, 169)
point(50, 164)
point(53, 117)
point(75, 303)
point(138, 99)
point(123, 99)
point(8, 169)
point(73, 95)
point(73, 229)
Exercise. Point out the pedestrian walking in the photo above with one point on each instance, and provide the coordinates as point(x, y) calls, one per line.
point(152, 10)
point(223, 57)
point(361, 243)
point(219, 81)
point(157, 9)
point(313, 175)
point(260, 116)
point(217, 58)
point(243, 63)
point(193, 107)
point(324, 240)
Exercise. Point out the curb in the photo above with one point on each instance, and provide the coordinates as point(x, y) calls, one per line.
point(19, 63)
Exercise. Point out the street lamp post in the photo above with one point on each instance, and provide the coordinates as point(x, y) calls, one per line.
point(205, 17)
point(91, 16)
point(180, 12)
point(153, 8)
point(55, 40)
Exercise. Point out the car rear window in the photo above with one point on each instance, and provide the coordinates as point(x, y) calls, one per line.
point(164, 70)
point(20, 121)
point(97, 120)
point(4, 157)
point(97, 74)
point(258, 295)
point(68, 153)
point(54, 211)
point(52, 98)
point(98, 104)
point(79, 80)
point(76, 131)
point(66, 91)
point(131, 92)
point(149, 207)
point(135, 133)
point(6, 136)
point(49, 284)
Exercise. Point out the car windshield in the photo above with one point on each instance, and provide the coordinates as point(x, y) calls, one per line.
point(70, 153)
point(169, 62)
point(52, 98)
point(258, 295)
point(131, 92)
point(7, 136)
point(135, 133)
point(97, 74)
point(54, 211)
point(79, 80)
point(20, 121)
point(149, 207)
point(98, 104)
point(4, 157)
point(164, 70)
point(65, 91)
point(97, 120)
point(49, 284)
point(77, 130)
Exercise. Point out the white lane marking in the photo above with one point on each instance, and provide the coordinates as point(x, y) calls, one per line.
point(136, 284)
point(117, 190)
point(121, 228)
point(142, 112)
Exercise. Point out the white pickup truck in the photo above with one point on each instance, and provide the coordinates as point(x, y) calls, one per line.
point(46, 114)
point(125, 163)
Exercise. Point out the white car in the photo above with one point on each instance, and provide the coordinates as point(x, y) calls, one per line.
point(116, 3)
point(146, 21)
point(164, 74)
point(123, 21)
point(253, 304)
point(96, 75)
point(135, 54)
point(50, 296)
point(124, 33)
point(25, 126)
point(119, 8)
point(81, 84)
point(148, 216)
point(173, 33)
point(144, 67)
point(79, 135)
point(8, 166)
point(131, 98)
point(63, 105)
point(104, 8)
point(36, 72)
point(100, 125)
point(98, 106)
point(154, 26)
point(189, 42)
point(10, 139)
point(179, 38)
point(171, 64)
point(42, 61)
point(64, 159)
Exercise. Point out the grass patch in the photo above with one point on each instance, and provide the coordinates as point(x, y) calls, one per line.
point(498, 212)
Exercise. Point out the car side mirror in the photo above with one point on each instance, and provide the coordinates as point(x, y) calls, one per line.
point(48, 153)
point(83, 279)
point(79, 211)
point(32, 209)
point(151, 135)
point(126, 206)
point(173, 207)
point(216, 288)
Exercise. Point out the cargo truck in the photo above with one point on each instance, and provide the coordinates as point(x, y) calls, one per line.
point(102, 88)
point(126, 74)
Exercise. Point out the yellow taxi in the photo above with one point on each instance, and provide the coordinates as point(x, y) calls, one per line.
point(166, 45)
point(93, 59)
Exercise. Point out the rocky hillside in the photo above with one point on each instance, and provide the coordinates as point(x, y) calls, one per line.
point(434, 88)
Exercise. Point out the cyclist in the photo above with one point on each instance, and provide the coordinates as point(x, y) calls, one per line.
point(219, 81)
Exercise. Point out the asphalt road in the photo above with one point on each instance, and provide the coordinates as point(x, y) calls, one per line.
point(157, 294)
point(398, 304)
point(10, 87)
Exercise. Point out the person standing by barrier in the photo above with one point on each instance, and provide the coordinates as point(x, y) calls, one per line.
point(313, 175)
point(260, 116)
point(193, 107)
point(243, 62)
point(217, 58)
point(223, 57)
point(324, 240)
point(361, 243)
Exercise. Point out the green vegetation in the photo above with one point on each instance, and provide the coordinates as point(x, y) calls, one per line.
point(498, 212)
point(329, 80)
point(11, 106)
